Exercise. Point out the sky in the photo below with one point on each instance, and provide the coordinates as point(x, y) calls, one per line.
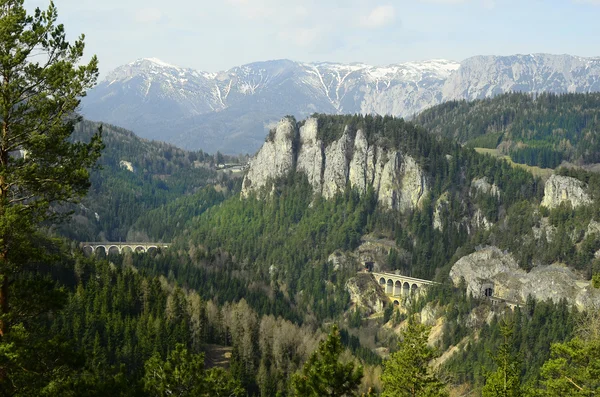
point(219, 34)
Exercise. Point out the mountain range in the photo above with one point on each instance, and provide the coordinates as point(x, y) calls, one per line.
point(232, 111)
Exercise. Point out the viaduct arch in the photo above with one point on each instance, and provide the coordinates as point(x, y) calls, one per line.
point(120, 247)
point(397, 285)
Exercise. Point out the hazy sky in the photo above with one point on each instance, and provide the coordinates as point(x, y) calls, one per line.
point(219, 34)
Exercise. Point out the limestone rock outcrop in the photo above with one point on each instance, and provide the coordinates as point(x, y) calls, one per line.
point(402, 184)
point(440, 206)
point(311, 156)
point(373, 250)
point(481, 185)
point(126, 165)
point(482, 266)
point(491, 266)
point(359, 174)
point(480, 221)
point(398, 180)
point(559, 189)
point(593, 228)
point(275, 158)
point(366, 294)
point(337, 166)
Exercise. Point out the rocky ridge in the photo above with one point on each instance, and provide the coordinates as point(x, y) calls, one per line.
point(490, 265)
point(231, 110)
point(366, 294)
point(397, 179)
point(561, 189)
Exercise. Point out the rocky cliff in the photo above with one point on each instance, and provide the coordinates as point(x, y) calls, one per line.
point(492, 267)
point(397, 179)
point(274, 160)
point(559, 189)
point(366, 294)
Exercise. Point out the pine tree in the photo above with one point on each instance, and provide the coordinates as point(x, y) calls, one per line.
point(324, 375)
point(574, 366)
point(406, 372)
point(506, 380)
point(41, 82)
point(183, 374)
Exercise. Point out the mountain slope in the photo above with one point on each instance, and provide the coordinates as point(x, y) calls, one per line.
point(542, 130)
point(232, 110)
point(137, 176)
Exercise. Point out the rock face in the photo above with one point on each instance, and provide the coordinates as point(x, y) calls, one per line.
point(366, 294)
point(336, 166)
point(480, 221)
point(441, 205)
point(485, 76)
point(402, 184)
point(310, 157)
point(593, 228)
point(371, 250)
point(492, 267)
point(126, 165)
point(559, 189)
point(481, 185)
point(359, 174)
point(274, 160)
point(482, 266)
point(399, 182)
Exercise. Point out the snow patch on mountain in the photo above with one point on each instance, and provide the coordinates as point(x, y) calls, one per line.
point(231, 110)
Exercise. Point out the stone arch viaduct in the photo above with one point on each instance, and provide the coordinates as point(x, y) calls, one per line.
point(397, 285)
point(119, 248)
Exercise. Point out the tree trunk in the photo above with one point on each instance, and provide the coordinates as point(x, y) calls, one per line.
point(4, 157)
point(3, 298)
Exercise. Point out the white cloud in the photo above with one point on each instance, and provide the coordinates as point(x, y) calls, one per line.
point(306, 36)
point(378, 17)
point(302, 37)
point(254, 10)
point(301, 11)
point(148, 15)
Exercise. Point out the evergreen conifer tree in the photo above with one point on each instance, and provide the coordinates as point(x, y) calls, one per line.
point(324, 375)
point(506, 380)
point(406, 372)
point(41, 82)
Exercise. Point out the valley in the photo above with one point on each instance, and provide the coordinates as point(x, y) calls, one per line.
point(304, 229)
point(287, 240)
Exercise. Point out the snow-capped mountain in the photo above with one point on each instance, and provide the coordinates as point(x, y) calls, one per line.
point(232, 110)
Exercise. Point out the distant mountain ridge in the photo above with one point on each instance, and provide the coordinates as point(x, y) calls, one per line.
point(232, 110)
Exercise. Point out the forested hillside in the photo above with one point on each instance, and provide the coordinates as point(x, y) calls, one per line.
point(294, 274)
point(540, 130)
point(136, 176)
point(254, 276)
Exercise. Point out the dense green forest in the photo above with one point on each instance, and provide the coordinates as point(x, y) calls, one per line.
point(248, 299)
point(251, 277)
point(117, 318)
point(135, 177)
point(267, 259)
point(542, 129)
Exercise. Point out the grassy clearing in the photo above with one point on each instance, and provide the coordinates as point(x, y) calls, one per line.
point(543, 173)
